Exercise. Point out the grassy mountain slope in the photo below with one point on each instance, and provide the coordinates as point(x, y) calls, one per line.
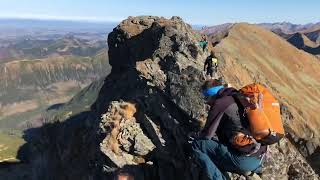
point(305, 37)
point(28, 88)
point(31, 84)
point(79, 103)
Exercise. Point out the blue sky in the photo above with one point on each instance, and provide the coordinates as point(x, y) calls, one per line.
point(205, 12)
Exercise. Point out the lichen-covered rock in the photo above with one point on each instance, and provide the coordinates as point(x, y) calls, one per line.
point(125, 142)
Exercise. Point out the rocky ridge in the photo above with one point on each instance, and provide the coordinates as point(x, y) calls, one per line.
point(165, 92)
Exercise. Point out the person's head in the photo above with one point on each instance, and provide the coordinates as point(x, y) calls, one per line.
point(210, 88)
point(212, 54)
point(204, 37)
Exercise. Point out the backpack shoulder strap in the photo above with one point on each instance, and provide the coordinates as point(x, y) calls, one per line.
point(236, 97)
point(214, 117)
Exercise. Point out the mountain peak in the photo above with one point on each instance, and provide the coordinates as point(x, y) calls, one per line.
point(143, 36)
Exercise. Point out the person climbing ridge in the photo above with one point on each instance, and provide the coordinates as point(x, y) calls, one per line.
point(237, 131)
point(203, 43)
point(211, 65)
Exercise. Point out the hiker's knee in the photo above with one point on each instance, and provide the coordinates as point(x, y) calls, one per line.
point(198, 145)
point(209, 170)
point(248, 164)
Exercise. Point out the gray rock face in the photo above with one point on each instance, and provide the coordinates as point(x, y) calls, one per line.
point(283, 161)
point(162, 65)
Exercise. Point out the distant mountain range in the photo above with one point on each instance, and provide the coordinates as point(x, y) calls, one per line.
point(55, 24)
point(50, 29)
point(290, 28)
point(32, 39)
point(31, 48)
point(305, 37)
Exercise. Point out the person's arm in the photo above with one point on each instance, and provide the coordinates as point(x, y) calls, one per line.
point(212, 124)
point(239, 136)
point(215, 115)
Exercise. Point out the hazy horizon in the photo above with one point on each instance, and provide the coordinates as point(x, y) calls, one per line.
point(93, 22)
point(206, 12)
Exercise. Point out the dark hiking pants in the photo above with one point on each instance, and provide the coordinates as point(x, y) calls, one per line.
point(215, 157)
point(209, 72)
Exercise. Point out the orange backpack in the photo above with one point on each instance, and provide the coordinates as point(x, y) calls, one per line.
point(263, 114)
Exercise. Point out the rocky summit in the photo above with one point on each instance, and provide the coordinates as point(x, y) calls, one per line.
point(156, 101)
point(144, 112)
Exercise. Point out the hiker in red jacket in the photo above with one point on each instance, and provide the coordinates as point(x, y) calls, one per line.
point(225, 143)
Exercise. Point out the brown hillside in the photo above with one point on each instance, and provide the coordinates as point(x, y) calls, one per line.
point(27, 87)
point(251, 53)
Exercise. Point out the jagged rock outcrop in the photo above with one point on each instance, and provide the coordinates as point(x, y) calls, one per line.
point(157, 65)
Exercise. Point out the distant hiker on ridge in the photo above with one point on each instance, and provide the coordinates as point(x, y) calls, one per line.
point(203, 43)
point(240, 125)
point(211, 65)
